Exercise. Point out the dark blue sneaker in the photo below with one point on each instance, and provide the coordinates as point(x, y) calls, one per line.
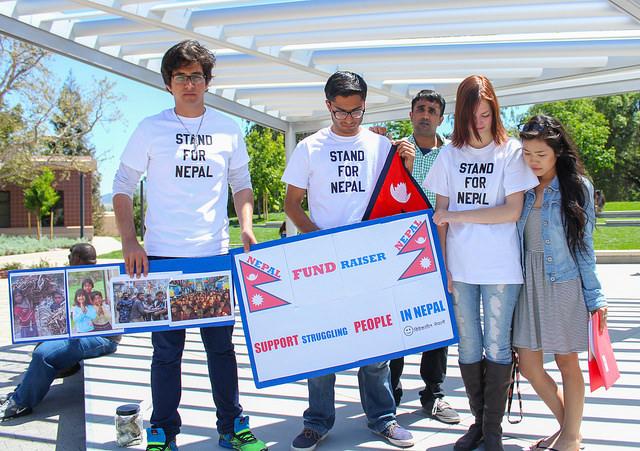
point(307, 440)
point(397, 435)
point(241, 439)
point(157, 441)
point(9, 409)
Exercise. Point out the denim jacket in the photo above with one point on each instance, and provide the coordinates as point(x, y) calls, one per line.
point(560, 265)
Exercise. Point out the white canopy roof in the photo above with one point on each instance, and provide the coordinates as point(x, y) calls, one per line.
point(273, 57)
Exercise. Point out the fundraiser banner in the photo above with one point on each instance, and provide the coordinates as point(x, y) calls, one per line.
point(56, 303)
point(342, 298)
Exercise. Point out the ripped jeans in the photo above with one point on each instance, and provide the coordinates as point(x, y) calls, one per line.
point(493, 336)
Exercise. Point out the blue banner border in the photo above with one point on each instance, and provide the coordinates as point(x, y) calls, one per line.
point(186, 265)
point(283, 380)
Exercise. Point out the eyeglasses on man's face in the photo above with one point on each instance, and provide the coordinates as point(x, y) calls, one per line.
point(342, 115)
point(195, 79)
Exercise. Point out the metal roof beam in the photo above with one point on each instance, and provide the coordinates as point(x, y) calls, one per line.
point(630, 7)
point(391, 55)
point(432, 20)
point(471, 33)
point(304, 10)
point(183, 24)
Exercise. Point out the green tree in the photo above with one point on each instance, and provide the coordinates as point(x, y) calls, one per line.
point(589, 129)
point(266, 150)
point(24, 90)
point(41, 116)
point(40, 197)
point(398, 129)
point(73, 119)
point(622, 182)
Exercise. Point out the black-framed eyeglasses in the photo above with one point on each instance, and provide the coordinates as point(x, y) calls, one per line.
point(195, 79)
point(342, 115)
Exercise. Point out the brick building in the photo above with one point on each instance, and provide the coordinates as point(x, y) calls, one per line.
point(69, 171)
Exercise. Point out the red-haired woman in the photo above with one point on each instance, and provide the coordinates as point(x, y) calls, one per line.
point(479, 180)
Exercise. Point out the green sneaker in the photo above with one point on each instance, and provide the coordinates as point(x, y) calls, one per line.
point(242, 439)
point(157, 441)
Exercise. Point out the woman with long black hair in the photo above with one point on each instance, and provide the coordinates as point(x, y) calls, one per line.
point(561, 286)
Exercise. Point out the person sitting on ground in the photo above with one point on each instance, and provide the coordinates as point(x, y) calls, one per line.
point(53, 356)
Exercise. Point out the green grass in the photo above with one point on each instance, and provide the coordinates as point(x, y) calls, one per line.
point(112, 255)
point(605, 238)
point(616, 238)
point(621, 206)
point(13, 245)
point(261, 232)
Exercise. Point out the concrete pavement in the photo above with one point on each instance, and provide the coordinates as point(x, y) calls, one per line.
point(611, 419)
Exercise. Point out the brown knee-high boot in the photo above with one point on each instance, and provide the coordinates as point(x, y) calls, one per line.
point(473, 375)
point(496, 389)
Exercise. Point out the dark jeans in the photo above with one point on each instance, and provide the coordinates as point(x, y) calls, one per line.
point(166, 382)
point(53, 356)
point(433, 369)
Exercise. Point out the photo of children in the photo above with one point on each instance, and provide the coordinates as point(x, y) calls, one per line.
point(91, 305)
point(141, 302)
point(38, 305)
point(200, 298)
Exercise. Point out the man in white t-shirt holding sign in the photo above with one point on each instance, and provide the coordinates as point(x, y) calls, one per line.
point(337, 168)
point(191, 154)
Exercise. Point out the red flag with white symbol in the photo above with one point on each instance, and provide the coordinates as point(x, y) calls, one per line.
point(396, 191)
point(257, 298)
point(424, 263)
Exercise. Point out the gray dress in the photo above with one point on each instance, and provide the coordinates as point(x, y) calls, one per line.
point(550, 316)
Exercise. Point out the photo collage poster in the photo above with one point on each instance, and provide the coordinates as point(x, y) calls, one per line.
point(84, 301)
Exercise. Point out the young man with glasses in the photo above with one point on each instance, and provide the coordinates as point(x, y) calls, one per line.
point(337, 168)
point(427, 113)
point(191, 154)
point(50, 358)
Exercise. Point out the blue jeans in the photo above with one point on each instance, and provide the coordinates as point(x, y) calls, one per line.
point(498, 305)
point(375, 395)
point(53, 356)
point(166, 383)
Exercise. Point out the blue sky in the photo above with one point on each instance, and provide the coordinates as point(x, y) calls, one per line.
point(139, 102)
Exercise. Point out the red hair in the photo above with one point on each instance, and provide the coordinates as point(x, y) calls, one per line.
point(471, 92)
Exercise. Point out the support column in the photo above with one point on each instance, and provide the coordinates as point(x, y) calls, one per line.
point(81, 204)
point(289, 146)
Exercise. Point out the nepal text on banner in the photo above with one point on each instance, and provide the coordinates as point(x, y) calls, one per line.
point(342, 298)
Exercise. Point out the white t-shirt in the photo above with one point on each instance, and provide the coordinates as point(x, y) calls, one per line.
point(187, 185)
point(339, 174)
point(481, 178)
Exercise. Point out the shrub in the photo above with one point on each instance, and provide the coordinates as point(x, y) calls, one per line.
point(12, 245)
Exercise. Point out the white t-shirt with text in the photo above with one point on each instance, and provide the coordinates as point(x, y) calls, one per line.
point(339, 174)
point(481, 178)
point(187, 180)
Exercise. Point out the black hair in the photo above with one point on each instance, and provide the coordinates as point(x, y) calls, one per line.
point(344, 84)
point(431, 96)
point(570, 172)
point(183, 54)
point(84, 296)
point(84, 253)
point(87, 280)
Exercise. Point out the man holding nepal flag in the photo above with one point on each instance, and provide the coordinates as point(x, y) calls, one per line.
point(337, 168)
point(427, 113)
